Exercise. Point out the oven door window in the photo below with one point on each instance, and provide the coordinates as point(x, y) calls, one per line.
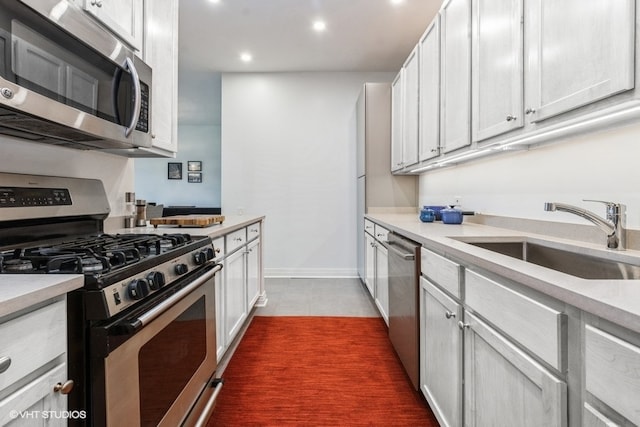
point(169, 360)
point(38, 55)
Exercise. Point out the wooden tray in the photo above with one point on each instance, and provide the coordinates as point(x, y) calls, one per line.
point(188, 220)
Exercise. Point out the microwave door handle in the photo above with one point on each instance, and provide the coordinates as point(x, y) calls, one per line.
point(128, 63)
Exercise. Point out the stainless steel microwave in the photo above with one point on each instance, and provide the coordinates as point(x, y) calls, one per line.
point(66, 80)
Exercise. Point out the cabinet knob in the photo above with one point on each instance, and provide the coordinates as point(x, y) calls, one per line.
point(5, 362)
point(97, 3)
point(449, 314)
point(463, 325)
point(64, 388)
point(530, 111)
point(511, 117)
point(434, 150)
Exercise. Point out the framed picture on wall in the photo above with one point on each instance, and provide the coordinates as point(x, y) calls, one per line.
point(194, 166)
point(194, 177)
point(174, 171)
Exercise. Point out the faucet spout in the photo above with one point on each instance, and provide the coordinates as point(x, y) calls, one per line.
point(613, 225)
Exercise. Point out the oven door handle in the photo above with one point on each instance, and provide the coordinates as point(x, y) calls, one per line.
point(147, 317)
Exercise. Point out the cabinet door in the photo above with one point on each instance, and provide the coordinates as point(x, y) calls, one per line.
point(28, 404)
point(579, 51)
point(430, 91)
point(497, 70)
point(455, 75)
point(124, 17)
point(410, 110)
point(235, 294)
point(253, 273)
point(370, 263)
point(504, 386)
point(397, 89)
point(161, 53)
point(441, 354)
point(382, 281)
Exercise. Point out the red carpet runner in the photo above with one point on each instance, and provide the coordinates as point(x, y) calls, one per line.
point(318, 371)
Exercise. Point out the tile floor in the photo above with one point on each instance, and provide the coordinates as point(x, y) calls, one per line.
point(317, 297)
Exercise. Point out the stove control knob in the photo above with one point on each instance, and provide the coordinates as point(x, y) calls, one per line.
point(156, 280)
point(210, 253)
point(200, 257)
point(138, 289)
point(181, 269)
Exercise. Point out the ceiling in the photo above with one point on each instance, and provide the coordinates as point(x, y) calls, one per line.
point(360, 35)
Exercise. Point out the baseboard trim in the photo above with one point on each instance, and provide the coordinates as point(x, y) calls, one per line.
point(311, 272)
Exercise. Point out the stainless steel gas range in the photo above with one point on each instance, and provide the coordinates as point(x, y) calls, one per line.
point(141, 331)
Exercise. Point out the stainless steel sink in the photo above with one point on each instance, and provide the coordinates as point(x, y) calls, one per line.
point(568, 260)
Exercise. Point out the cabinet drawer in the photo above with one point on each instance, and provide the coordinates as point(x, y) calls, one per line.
point(33, 340)
point(235, 240)
point(441, 271)
point(253, 231)
point(536, 326)
point(613, 372)
point(382, 233)
point(369, 227)
point(218, 246)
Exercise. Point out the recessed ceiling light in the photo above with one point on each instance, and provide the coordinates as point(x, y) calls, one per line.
point(319, 25)
point(214, 1)
point(397, 2)
point(246, 57)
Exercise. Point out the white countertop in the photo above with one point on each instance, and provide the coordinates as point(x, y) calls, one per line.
point(231, 223)
point(615, 300)
point(19, 291)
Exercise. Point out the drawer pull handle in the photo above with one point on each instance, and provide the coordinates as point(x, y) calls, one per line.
point(5, 362)
point(449, 314)
point(64, 388)
point(463, 325)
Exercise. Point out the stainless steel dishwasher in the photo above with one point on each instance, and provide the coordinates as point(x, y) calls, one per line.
point(404, 274)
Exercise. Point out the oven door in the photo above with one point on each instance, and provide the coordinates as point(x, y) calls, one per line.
point(164, 360)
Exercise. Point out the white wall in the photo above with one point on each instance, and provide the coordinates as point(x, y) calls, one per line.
point(601, 166)
point(115, 172)
point(195, 142)
point(288, 150)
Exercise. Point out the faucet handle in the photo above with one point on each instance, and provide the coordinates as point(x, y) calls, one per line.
point(613, 209)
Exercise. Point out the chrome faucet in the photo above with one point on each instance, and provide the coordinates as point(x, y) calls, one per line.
point(613, 225)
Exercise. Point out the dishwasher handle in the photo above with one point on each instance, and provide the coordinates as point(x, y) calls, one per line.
point(407, 256)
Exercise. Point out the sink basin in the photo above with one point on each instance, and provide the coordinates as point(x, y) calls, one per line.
point(569, 260)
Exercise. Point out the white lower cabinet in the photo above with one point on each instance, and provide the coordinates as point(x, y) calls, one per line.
point(382, 281)
point(253, 272)
point(370, 263)
point(235, 294)
point(490, 355)
point(612, 376)
point(441, 350)
point(376, 267)
point(33, 367)
point(239, 287)
point(504, 386)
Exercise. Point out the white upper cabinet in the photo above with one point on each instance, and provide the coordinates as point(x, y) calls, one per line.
point(497, 68)
point(410, 110)
point(429, 104)
point(125, 18)
point(397, 88)
point(579, 51)
point(455, 110)
point(161, 53)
